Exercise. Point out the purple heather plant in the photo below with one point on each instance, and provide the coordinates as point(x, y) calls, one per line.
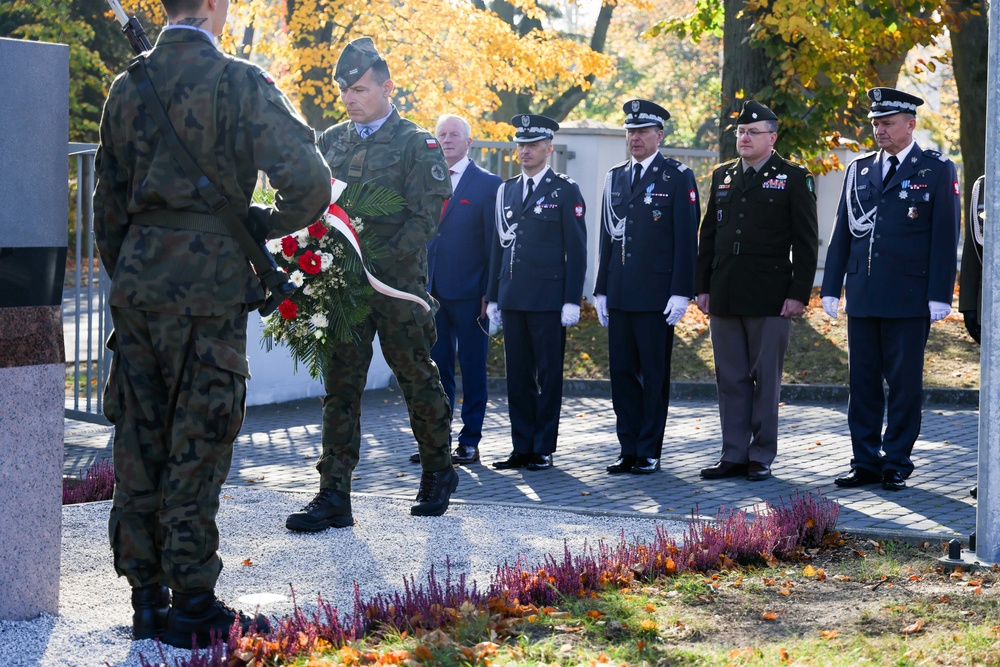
point(742, 537)
point(97, 483)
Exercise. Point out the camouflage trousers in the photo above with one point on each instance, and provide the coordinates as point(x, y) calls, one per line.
point(176, 396)
point(406, 333)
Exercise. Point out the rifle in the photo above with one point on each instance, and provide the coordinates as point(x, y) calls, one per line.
point(275, 281)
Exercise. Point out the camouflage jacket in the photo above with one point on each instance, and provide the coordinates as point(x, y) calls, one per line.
point(234, 121)
point(406, 159)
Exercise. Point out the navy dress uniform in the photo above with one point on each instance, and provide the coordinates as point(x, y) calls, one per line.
point(895, 240)
point(537, 267)
point(648, 245)
point(756, 263)
point(970, 280)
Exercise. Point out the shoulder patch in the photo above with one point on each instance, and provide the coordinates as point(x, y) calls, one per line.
point(266, 76)
point(935, 154)
point(677, 164)
point(431, 143)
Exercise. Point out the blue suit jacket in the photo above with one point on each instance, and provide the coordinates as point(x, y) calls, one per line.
point(661, 237)
point(458, 256)
point(546, 264)
point(913, 255)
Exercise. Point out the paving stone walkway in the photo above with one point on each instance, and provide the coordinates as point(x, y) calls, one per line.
point(280, 444)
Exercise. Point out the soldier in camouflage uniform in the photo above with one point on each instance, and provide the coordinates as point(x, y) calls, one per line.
point(181, 288)
point(378, 146)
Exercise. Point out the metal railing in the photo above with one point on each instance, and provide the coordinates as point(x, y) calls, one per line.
point(498, 157)
point(86, 315)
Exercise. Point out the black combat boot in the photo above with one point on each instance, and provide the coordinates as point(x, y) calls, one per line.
point(196, 618)
point(150, 605)
point(435, 492)
point(328, 508)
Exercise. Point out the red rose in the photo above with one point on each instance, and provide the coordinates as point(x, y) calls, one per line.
point(289, 245)
point(317, 230)
point(288, 309)
point(310, 262)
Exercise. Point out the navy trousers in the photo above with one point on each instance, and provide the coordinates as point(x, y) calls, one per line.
point(535, 343)
point(460, 330)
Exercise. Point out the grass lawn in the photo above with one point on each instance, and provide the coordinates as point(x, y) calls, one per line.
point(817, 352)
point(852, 602)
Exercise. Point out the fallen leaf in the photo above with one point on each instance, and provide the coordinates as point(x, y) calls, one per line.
point(247, 563)
point(559, 614)
point(809, 571)
point(593, 613)
point(820, 575)
point(975, 582)
point(641, 645)
point(914, 628)
point(565, 648)
point(784, 591)
point(783, 655)
point(769, 616)
point(827, 635)
point(650, 607)
point(647, 624)
point(423, 653)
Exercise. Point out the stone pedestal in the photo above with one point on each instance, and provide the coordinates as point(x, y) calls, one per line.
point(33, 232)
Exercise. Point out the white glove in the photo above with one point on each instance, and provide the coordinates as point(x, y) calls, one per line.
point(939, 310)
point(676, 307)
point(493, 312)
point(830, 305)
point(601, 306)
point(570, 314)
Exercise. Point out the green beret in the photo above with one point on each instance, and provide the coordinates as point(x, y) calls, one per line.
point(356, 59)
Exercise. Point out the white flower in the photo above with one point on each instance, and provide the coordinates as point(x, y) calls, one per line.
point(302, 236)
point(308, 290)
point(319, 321)
point(274, 246)
point(337, 189)
point(297, 278)
point(325, 260)
point(318, 334)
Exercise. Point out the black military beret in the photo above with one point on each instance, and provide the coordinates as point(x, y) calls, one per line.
point(754, 111)
point(643, 113)
point(356, 59)
point(533, 127)
point(887, 101)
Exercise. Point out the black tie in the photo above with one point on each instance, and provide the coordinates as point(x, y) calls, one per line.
point(636, 175)
point(531, 190)
point(749, 174)
point(893, 161)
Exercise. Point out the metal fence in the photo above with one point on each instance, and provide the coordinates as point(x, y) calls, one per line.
point(498, 157)
point(86, 316)
point(702, 163)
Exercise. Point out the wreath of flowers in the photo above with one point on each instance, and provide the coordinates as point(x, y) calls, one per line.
point(321, 261)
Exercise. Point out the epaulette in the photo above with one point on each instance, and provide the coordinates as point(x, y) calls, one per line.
point(935, 154)
point(677, 164)
point(565, 178)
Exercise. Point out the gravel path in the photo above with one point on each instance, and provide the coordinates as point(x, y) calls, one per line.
point(263, 560)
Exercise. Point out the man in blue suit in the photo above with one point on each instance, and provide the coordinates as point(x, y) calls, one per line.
point(458, 259)
point(645, 281)
point(895, 239)
point(537, 267)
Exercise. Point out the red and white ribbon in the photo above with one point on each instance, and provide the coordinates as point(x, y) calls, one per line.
point(338, 220)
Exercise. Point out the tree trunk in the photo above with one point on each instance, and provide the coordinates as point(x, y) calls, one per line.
point(314, 114)
point(745, 71)
point(969, 45)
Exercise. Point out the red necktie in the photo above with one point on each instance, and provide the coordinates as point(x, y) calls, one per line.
point(444, 207)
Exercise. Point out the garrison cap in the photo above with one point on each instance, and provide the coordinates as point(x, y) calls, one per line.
point(533, 127)
point(356, 59)
point(754, 111)
point(887, 101)
point(643, 113)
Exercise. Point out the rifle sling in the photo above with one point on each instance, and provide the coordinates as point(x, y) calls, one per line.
point(218, 203)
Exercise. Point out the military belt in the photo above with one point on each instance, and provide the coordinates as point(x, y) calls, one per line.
point(195, 222)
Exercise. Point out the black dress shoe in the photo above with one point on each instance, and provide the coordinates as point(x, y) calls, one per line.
point(757, 472)
point(645, 466)
point(328, 508)
point(415, 458)
point(435, 492)
point(464, 454)
point(514, 460)
point(622, 464)
point(150, 605)
point(539, 462)
point(195, 619)
point(858, 477)
point(724, 469)
point(892, 480)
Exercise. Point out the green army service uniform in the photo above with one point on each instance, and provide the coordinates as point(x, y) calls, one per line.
point(180, 296)
point(405, 159)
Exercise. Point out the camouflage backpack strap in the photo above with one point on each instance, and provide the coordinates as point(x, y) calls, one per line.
point(265, 266)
